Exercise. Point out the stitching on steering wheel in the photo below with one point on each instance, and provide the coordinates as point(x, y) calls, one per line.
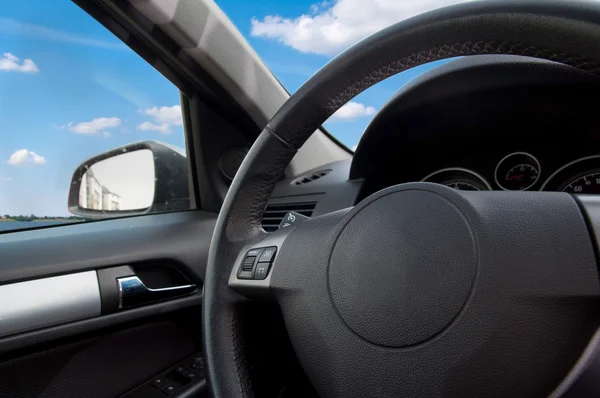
point(454, 50)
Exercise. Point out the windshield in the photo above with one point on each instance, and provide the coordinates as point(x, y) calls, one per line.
point(296, 38)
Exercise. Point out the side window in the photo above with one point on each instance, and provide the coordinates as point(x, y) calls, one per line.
point(88, 129)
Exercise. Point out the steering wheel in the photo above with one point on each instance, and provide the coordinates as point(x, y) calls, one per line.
point(418, 290)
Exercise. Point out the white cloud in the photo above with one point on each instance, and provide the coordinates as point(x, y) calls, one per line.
point(25, 156)
point(163, 128)
point(9, 62)
point(11, 26)
point(97, 126)
point(165, 114)
point(352, 111)
point(164, 118)
point(329, 28)
point(5, 179)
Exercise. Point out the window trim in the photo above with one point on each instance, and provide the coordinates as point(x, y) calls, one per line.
point(192, 164)
point(104, 13)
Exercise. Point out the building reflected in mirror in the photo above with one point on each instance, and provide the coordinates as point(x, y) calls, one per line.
point(123, 182)
point(94, 195)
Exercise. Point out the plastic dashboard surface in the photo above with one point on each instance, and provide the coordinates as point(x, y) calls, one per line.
point(331, 192)
point(470, 114)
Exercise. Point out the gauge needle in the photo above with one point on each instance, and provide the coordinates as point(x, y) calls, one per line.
point(516, 177)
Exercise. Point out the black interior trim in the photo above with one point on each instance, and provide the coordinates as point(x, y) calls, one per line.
point(97, 366)
point(179, 238)
point(435, 98)
point(217, 137)
point(193, 173)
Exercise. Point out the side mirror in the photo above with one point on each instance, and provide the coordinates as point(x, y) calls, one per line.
point(139, 178)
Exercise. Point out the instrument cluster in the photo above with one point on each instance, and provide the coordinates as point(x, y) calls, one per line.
point(521, 171)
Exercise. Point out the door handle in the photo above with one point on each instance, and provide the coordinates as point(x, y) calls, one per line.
point(132, 292)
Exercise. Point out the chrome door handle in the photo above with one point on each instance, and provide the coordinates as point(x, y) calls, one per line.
point(132, 292)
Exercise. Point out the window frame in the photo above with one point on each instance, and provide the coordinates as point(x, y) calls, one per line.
point(196, 86)
point(127, 24)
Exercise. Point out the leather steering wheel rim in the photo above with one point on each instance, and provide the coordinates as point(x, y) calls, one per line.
point(558, 31)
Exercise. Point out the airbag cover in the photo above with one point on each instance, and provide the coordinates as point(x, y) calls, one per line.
point(403, 267)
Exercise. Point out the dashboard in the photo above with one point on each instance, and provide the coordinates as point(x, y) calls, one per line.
point(487, 123)
point(500, 123)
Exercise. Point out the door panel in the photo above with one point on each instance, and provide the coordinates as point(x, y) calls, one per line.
point(182, 238)
point(12, 345)
point(105, 366)
point(114, 350)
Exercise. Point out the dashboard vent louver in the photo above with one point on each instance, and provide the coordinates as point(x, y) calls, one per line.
point(274, 213)
point(311, 177)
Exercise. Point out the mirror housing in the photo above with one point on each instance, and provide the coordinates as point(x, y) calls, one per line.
point(158, 183)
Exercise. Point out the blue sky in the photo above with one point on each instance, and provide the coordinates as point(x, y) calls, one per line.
point(84, 74)
point(70, 90)
point(294, 61)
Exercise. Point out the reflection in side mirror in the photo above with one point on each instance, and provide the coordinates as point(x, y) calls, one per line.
point(139, 178)
point(123, 182)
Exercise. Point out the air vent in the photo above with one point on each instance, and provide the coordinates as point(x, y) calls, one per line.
point(274, 213)
point(308, 178)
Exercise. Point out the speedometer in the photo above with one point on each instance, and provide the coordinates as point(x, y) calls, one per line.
point(581, 176)
point(588, 183)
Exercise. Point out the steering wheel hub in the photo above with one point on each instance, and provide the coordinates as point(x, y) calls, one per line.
point(403, 267)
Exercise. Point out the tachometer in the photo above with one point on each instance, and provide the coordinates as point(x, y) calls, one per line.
point(517, 172)
point(459, 178)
